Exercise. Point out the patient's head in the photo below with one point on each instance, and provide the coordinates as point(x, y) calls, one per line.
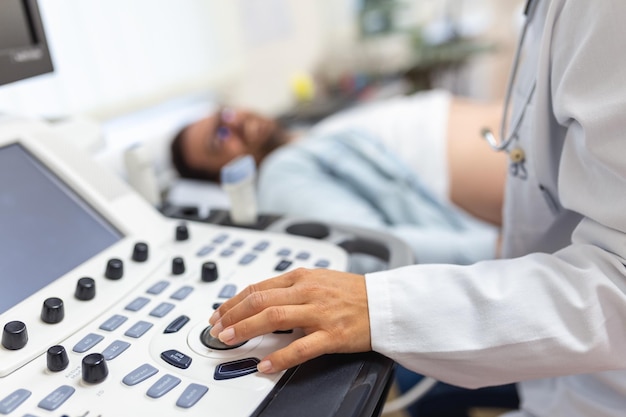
point(201, 149)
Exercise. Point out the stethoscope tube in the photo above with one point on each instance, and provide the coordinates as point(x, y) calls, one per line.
point(487, 134)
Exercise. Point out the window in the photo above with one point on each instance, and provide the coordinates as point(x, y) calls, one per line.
point(113, 56)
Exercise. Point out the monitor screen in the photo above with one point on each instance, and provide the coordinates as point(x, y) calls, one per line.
point(46, 229)
point(23, 47)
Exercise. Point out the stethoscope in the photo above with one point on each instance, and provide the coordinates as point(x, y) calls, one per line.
point(517, 154)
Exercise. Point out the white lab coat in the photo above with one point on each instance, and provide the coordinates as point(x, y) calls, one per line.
point(554, 315)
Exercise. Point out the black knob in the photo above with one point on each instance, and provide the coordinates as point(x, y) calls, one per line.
point(57, 359)
point(178, 266)
point(140, 252)
point(14, 336)
point(209, 272)
point(52, 310)
point(95, 369)
point(85, 289)
point(182, 232)
point(115, 269)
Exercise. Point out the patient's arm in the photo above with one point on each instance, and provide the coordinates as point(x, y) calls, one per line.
point(477, 174)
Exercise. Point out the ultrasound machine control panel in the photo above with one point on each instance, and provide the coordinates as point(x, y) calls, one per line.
point(105, 302)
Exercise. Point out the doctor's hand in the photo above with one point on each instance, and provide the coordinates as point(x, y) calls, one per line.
point(330, 306)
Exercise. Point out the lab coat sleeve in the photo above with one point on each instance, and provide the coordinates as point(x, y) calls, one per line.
point(539, 315)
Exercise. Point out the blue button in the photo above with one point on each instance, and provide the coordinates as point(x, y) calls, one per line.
point(205, 250)
point(262, 245)
point(164, 385)
point(13, 400)
point(140, 374)
point(137, 304)
point(227, 252)
point(56, 398)
point(162, 309)
point(228, 291)
point(303, 256)
point(247, 258)
point(182, 293)
point(113, 323)
point(322, 263)
point(87, 343)
point(283, 252)
point(220, 239)
point(115, 349)
point(158, 288)
point(191, 396)
point(138, 329)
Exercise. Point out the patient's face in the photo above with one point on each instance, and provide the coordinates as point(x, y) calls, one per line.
point(212, 142)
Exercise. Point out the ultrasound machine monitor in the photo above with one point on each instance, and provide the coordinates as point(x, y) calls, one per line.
point(105, 301)
point(24, 50)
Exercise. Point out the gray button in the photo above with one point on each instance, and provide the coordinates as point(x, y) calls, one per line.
point(182, 293)
point(191, 396)
point(237, 243)
point(228, 291)
point(137, 304)
point(139, 329)
point(164, 385)
point(56, 398)
point(140, 374)
point(113, 323)
point(114, 349)
point(220, 239)
point(283, 252)
point(262, 245)
point(247, 258)
point(162, 309)
point(322, 263)
point(205, 250)
point(158, 288)
point(303, 256)
point(87, 343)
point(227, 252)
point(13, 400)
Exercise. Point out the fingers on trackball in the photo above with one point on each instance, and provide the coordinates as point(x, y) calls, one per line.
point(215, 343)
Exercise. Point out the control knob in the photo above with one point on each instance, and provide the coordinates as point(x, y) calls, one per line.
point(95, 369)
point(85, 289)
point(140, 252)
point(114, 269)
point(57, 359)
point(14, 335)
point(209, 271)
point(178, 266)
point(182, 232)
point(52, 311)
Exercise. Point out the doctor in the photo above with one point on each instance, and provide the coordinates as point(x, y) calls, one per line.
point(553, 313)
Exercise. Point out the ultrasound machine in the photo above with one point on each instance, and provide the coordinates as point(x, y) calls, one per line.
point(105, 300)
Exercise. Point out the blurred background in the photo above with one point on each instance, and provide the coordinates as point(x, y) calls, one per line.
point(113, 56)
point(134, 72)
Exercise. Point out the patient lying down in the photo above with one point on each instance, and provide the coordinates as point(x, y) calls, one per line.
point(413, 166)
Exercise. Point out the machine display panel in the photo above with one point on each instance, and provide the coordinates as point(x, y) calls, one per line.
point(46, 229)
